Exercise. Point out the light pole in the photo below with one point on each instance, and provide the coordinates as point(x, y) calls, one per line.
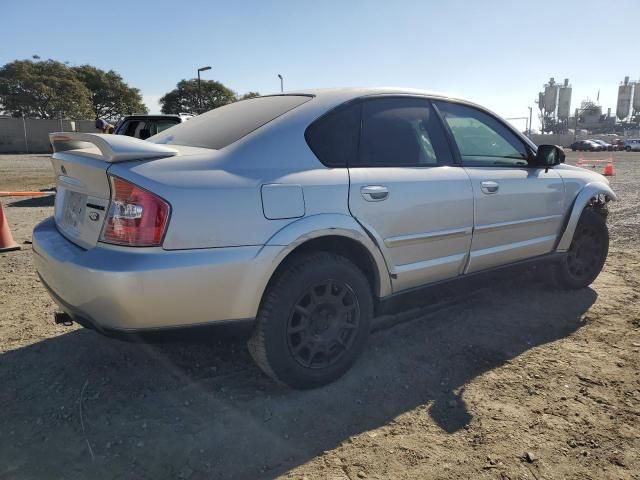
point(530, 118)
point(281, 83)
point(201, 69)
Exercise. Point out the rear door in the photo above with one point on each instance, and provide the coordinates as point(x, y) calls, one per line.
point(518, 208)
point(406, 192)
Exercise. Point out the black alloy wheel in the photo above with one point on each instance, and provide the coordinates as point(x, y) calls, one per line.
point(323, 324)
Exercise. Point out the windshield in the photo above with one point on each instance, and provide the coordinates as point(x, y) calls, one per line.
point(225, 125)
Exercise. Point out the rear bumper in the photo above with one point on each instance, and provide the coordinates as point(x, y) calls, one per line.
point(129, 289)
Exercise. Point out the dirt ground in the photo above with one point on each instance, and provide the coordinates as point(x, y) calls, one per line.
point(505, 380)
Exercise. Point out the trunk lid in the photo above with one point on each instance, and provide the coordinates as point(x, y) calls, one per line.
point(80, 164)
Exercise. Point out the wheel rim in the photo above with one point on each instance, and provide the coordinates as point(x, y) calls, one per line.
point(323, 324)
point(585, 252)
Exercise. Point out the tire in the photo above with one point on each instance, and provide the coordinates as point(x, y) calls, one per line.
point(587, 253)
point(313, 321)
point(628, 149)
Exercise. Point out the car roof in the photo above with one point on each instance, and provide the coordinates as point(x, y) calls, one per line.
point(346, 94)
point(159, 115)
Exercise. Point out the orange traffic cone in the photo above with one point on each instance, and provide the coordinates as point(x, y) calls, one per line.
point(608, 168)
point(6, 239)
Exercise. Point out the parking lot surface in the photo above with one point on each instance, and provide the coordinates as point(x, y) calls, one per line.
point(509, 379)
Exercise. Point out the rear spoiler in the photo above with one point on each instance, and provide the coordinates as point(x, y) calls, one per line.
point(113, 148)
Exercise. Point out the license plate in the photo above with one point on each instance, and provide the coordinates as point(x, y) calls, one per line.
point(74, 206)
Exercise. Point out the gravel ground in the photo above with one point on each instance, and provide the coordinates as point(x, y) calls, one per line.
point(504, 380)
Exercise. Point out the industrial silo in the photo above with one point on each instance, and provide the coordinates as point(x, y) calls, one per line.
point(624, 99)
point(550, 96)
point(564, 100)
point(636, 97)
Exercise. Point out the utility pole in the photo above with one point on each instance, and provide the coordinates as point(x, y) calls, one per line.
point(530, 119)
point(201, 69)
point(527, 127)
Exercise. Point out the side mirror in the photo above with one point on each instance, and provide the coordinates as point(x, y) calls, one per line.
point(548, 156)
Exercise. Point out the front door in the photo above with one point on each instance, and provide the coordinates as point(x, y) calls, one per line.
point(406, 192)
point(518, 208)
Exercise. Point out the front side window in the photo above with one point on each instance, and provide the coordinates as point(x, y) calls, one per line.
point(482, 140)
point(401, 132)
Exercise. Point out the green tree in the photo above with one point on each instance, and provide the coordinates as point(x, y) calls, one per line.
point(110, 96)
point(249, 95)
point(42, 89)
point(184, 98)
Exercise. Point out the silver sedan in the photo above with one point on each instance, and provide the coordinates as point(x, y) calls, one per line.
point(304, 213)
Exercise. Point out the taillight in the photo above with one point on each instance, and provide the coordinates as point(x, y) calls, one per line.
point(136, 217)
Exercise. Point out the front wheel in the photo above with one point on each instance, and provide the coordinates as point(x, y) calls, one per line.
point(587, 253)
point(313, 321)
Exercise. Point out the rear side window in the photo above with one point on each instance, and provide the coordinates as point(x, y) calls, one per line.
point(162, 125)
point(401, 132)
point(334, 137)
point(224, 125)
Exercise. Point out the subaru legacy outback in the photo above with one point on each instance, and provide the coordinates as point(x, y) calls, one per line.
point(304, 213)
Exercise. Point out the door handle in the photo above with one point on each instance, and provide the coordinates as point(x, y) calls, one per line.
point(375, 193)
point(489, 187)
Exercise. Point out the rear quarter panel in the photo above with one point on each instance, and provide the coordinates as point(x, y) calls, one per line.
point(215, 195)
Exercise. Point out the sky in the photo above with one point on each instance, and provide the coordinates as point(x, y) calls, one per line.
point(497, 53)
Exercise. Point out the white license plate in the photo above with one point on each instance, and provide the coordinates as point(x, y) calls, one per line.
point(74, 207)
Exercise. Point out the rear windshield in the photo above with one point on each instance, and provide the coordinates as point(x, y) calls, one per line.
point(224, 125)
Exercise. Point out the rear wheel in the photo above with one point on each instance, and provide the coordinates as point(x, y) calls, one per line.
point(628, 149)
point(313, 321)
point(587, 253)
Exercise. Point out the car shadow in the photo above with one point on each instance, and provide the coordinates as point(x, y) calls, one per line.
point(84, 406)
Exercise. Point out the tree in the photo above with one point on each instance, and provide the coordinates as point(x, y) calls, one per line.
point(110, 96)
point(249, 95)
point(184, 98)
point(42, 89)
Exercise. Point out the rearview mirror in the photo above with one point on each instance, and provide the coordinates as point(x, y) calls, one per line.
point(548, 156)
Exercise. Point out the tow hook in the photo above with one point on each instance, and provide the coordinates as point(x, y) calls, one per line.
point(62, 318)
